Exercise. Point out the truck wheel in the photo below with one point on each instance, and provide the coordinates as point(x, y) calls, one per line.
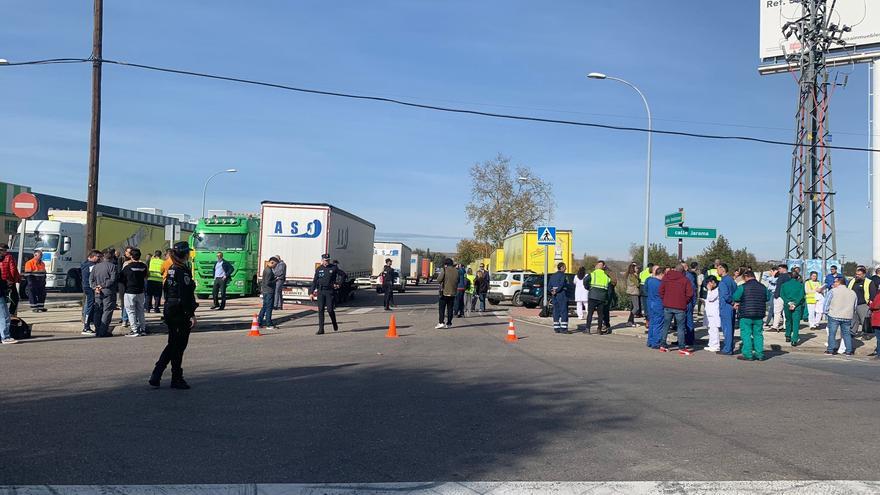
point(74, 281)
point(516, 300)
point(254, 289)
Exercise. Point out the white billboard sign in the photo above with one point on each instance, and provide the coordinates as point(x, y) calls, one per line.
point(862, 16)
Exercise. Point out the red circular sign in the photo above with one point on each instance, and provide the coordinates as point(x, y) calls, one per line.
point(25, 205)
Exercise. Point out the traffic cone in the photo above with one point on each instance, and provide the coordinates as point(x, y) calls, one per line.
point(392, 329)
point(255, 327)
point(511, 331)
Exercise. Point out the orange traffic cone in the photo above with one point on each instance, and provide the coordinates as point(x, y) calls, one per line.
point(392, 329)
point(255, 327)
point(511, 331)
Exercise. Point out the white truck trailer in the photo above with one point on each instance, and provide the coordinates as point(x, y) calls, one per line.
point(400, 255)
point(301, 232)
point(415, 268)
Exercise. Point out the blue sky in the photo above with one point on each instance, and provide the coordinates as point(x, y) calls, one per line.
point(407, 169)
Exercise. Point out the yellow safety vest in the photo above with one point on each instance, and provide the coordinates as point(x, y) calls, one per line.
point(713, 272)
point(865, 286)
point(644, 275)
point(812, 286)
point(155, 274)
point(599, 279)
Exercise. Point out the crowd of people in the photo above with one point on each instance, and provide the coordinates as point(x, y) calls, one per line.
point(778, 299)
point(460, 291)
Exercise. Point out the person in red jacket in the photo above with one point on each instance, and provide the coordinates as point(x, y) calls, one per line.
point(676, 291)
point(875, 323)
point(9, 274)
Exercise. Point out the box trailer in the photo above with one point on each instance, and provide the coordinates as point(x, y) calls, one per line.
point(415, 268)
point(522, 252)
point(301, 232)
point(400, 255)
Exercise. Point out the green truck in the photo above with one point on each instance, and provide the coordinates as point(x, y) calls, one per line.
point(238, 238)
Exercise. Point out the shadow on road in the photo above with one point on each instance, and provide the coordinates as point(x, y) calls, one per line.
point(342, 423)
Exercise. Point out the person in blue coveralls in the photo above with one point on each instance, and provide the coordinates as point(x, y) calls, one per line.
point(557, 286)
point(655, 308)
point(726, 288)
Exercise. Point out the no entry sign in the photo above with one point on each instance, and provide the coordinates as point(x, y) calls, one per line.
point(25, 205)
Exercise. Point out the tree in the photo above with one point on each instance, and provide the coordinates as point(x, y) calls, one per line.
point(470, 250)
point(657, 254)
point(720, 249)
point(501, 204)
point(849, 268)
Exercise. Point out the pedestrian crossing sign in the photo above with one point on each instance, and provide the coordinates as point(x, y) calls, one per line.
point(546, 236)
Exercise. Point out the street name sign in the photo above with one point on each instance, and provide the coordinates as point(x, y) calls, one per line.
point(546, 236)
point(675, 218)
point(691, 233)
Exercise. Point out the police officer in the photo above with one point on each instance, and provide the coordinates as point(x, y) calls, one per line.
point(388, 284)
point(323, 289)
point(179, 315)
point(558, 290)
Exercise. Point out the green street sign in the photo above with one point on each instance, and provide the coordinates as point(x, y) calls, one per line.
point(691, 233)
point(675, 218)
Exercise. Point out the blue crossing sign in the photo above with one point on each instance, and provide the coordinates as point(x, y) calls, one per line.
point(546, 236)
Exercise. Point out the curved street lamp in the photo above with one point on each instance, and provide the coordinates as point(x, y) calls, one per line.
point(205, 190)
point(601, 76)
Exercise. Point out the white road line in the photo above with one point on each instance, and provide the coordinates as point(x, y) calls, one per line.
point(360, 311)
point(469, 488)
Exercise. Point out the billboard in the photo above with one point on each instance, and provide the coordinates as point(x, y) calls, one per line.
point(862, 16)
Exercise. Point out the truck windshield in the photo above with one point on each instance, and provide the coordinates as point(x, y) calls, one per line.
point(219, 242)
point(36, 240)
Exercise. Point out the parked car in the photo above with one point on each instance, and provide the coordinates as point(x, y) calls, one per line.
point(506, 286)
point(532, 294)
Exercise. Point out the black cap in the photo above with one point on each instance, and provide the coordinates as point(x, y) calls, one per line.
point(180, 248)
point(325, 256)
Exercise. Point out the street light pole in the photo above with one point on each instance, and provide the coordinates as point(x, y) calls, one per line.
point(598, 75)
point(205, 190)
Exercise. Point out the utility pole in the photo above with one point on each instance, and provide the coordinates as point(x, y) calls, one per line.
point(95, 145)
point(810, 228)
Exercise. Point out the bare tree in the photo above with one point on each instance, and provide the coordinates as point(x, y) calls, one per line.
point(501, 203)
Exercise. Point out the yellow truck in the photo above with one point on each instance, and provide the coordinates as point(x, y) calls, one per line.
point(522, 252)
point(496, 260)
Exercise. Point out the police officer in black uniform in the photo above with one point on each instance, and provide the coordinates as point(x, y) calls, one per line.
point(324, 287)
point(388, 284)
point(179, 315)
point(341, 277)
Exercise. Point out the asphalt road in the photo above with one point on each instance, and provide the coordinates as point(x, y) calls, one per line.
point(452, 405)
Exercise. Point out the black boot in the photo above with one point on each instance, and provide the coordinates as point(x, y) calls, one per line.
point(320, 332)
point(177, 380)
point(155, 378)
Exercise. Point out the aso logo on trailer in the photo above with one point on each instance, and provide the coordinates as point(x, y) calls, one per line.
point(305, 230)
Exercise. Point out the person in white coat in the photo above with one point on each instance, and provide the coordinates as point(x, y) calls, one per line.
point(581, 294)
point(713, 314)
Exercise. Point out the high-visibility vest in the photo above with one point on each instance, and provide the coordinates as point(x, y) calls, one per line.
point(599, 279)
point(812, 286)
point(155, 274)
point(644, 275)
point(713, 272)
point(865, 287)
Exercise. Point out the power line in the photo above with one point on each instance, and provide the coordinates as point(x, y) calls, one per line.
point(395, 101)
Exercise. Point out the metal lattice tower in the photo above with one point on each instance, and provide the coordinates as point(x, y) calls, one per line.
point(811, 232)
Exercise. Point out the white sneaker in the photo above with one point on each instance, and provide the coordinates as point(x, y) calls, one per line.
point(439, 326)
point(9, 341)
point(447, 326)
